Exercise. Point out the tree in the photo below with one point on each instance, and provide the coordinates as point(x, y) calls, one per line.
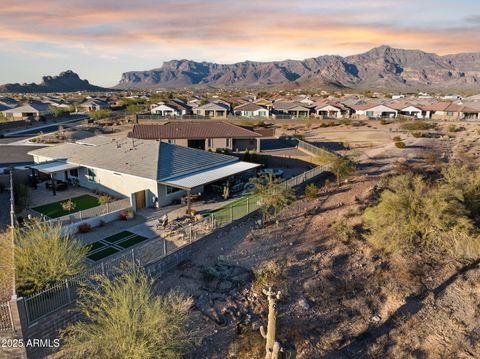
point(341, 168)
point(100, 114)
point(68, 205)
point(414, 215)
point(123, 319)
point(133, 109)
point(44, 256)
point(273, 194)
point(57, 111)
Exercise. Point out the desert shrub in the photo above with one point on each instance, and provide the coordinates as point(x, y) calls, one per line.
point(452, 128)
point(68, 205)
point(273, 195)
point(300, 136)
point(413, 215)
point(400, 144)
point(266, 274)
point(44, 256)
point(417, 134)
point(209, 273)
point(311, 191)
point(104, 199)
point(416, 126)
point(384, 122)
point(343, 231)
point(6, 266)
point(124, 319)
point(260, 123)
point(346, 122)
point(397, 139)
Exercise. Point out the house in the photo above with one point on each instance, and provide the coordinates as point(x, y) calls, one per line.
point(374, 111)
point(31, 110)
point(171, 108)
point(291, 109)
point(264, 103)
point(213, 110)
point(407, 109)
point(251, 110)
point(8, 102)
point(204, 135)
point(331, 109)
point(150, 173)
point(93, 104)
point(452, 111)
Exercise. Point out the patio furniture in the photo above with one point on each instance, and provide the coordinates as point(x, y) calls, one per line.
point(59, 185)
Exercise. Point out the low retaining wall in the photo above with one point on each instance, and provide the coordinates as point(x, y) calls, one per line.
point(94, 221)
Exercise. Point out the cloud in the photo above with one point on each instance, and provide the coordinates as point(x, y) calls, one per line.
point(229, 31)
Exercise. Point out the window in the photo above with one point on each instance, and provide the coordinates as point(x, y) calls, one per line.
point(91, 175)
point(74, 172)
point(229, 142)
point(171, 190)
point(209, 142)
point(172, 142)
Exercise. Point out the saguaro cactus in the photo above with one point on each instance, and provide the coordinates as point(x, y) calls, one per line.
point(272, 347)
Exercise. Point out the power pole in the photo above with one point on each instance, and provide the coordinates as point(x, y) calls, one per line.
point(12, 234)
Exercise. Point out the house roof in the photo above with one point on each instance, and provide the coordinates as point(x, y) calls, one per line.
point(32, 107)
point(250, 107)
point(214, 106)
point(289, 105)
point(449, 107)
point(192, 130)
point(153, 160)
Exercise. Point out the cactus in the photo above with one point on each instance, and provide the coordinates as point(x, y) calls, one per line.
point(272, 347)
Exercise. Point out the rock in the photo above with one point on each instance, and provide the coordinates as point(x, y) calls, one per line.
point(376, 318)
point(303, 303)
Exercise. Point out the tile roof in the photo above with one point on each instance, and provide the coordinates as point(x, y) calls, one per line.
point(153, 160)
point(249, 107)
point(192, 130)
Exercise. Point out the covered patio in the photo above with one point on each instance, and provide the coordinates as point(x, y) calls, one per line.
point(192, 181)
point(52, 169)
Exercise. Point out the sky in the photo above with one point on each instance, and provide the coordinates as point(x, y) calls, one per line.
point(101, 39)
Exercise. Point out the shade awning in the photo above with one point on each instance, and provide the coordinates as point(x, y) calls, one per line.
point(53, 166)
point(209, 176)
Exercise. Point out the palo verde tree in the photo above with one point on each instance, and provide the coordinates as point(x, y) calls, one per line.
point(342, 168)
point(273, 194)
point(44, 256)
point(415, 215)
point(100, 114)
point(123, 319)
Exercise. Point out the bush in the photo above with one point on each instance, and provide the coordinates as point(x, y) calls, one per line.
point(128, 214)
point(400, 144)
point(452, 128)
point(44, 257)
point(397, 139)
point(124, 319)
point(311, 191)
point(84, 228)
point(417, 134)
point(343, 231)
point(416, 126)
point(266, 274)
point(414, 215)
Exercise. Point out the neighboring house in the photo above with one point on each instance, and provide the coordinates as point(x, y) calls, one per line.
point(291, 109)
point(211, 109)
point(204, 135)
point(452, 111)
point(251, 110)
point(265, 103)
point(150, 173)
point(9, 102)
point(375, 111)
point(33, 110)
point(93, 104)
point(331, 109)
point(171, 108)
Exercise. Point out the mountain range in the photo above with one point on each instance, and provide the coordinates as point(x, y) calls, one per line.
point(67, 81)
point(383, 67)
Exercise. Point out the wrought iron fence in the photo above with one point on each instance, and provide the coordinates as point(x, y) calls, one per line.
point(6, 322)
point(155, 251)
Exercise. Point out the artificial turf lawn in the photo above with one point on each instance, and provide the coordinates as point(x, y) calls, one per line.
point(55, 210)
point(132, 241)
point(102, 254)
point(118, 236)
point(95, 246)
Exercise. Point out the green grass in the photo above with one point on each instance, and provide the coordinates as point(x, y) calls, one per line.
point(95, 246)
point(102, 254)
point(118, 236)
point(55, 210)
point(132, 241)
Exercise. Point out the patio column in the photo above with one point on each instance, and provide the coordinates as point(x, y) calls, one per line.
point(53, 184)
point(189, 201)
